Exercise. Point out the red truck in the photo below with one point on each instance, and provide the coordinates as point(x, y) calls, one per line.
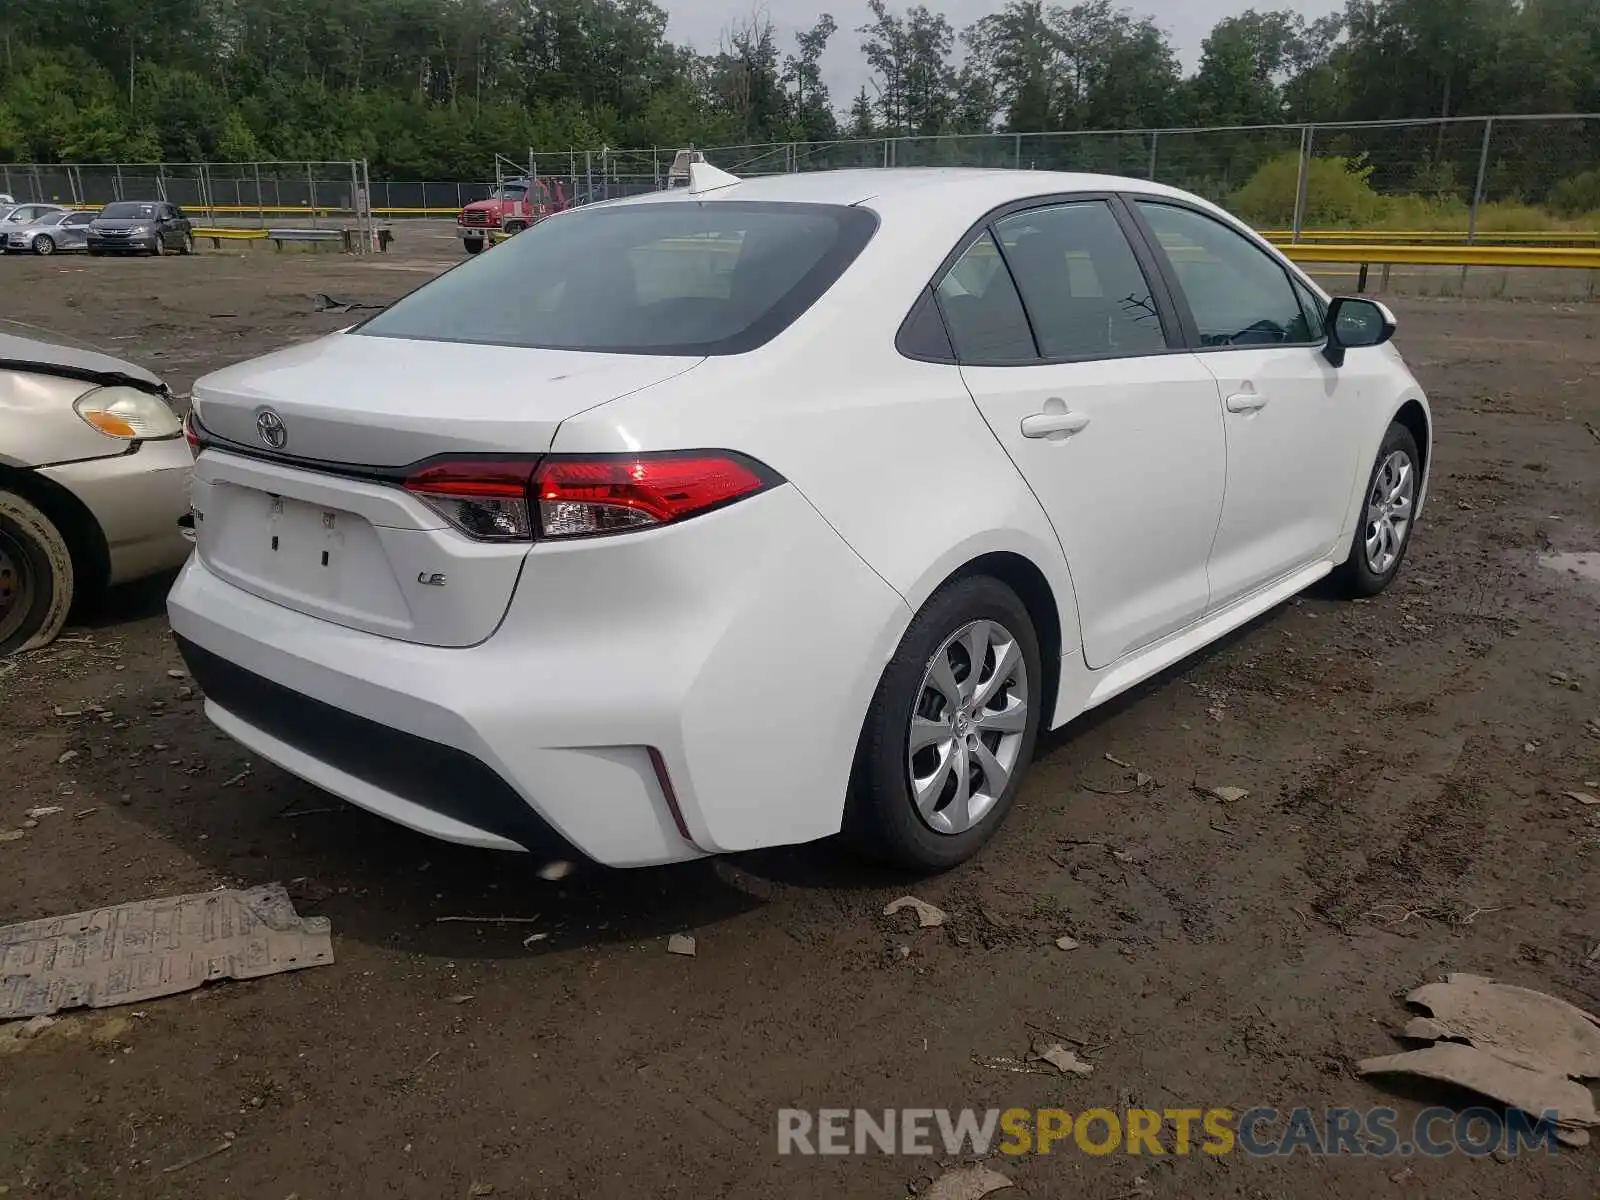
point(516, 204)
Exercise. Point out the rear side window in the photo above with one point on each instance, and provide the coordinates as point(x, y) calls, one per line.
point(982, 310)
point(1081, 283)
point(676, 277)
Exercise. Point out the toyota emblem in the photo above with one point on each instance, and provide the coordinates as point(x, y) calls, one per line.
point(270, 429)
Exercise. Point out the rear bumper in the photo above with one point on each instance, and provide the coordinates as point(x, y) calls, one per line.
point(137, 499)
point(743, 667)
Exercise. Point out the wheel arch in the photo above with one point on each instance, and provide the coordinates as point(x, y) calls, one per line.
point(1413, 415)
point(1024, 577)
point(86, 542)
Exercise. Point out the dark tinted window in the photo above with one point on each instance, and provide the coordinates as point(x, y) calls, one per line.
point(78, 219)
point(982, 311)
point(923, 335)
point(660, 278)
point(1239, 295)
point(124, 210)
point(1085, 293)
point(1315, 312)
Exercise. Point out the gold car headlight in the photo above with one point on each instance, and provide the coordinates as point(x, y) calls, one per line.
point(128, 413)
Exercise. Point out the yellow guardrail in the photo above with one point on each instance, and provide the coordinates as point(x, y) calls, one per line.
point(1455, 237)
point(1573, 258)
point(218, 232)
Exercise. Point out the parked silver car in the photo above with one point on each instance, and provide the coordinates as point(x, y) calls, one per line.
point(60, 230)
point(94, 480)
point(15, 216)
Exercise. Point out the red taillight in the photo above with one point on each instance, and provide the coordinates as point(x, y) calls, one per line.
point(581, 497)
point(497, 499)
point(486, 499)
point(189, 434)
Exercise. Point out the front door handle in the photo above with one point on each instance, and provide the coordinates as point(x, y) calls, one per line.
point(1054, 425)
point(1246, 402)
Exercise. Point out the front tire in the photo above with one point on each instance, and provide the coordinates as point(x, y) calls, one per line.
point(951, 729)
point(36, 580)
point(1387, 517)
point(187, 245)
point(44, 244)
point(472, 245)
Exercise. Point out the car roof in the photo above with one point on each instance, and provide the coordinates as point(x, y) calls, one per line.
point(977, 188)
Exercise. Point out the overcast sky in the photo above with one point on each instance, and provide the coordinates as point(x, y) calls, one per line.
point(700, 23)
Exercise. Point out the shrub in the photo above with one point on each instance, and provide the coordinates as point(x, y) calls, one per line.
point(1578, 195)
point(1338, 193)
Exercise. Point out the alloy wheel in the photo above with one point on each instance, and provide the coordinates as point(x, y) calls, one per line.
point(1390, 507)
point(968, 724)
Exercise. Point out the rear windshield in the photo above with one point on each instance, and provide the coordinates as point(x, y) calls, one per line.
point(128, 208)
point(719, 277)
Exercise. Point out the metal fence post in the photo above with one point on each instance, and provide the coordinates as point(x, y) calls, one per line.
point(1301, 183)
point(311, 186)
point(1477, 195)
point(1483, 172)
point(1016, 152)
point(261, 203)
point(1153, 136)
point(355, 203)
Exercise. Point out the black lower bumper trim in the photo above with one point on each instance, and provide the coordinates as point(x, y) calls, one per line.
point(429, 774)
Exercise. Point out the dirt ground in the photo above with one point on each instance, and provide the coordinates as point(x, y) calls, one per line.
point(1406, 761)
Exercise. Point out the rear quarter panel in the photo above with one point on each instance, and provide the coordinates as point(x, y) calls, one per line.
point(892, 453)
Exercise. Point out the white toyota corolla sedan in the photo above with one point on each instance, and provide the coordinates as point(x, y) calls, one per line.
point(744, 513)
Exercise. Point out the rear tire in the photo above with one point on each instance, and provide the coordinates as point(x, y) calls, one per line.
point(973, 737)
point(36, 580)
point(44, 244)
point(1387, 518)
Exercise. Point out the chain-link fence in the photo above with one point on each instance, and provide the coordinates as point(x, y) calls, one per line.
point(1478, 176)
point(1474, 175)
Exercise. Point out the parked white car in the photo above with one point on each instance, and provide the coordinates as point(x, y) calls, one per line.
point(739, 514)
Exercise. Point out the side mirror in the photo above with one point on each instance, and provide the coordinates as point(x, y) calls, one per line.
point(1355, 323)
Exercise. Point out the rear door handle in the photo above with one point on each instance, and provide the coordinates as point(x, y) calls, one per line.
point(1055, 425)
point(1246, 402)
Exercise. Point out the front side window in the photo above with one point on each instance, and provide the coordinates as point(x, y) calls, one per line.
point(1239, 295)
point(657, 278)
point(1084, 290)
point(1316, 312)
point(982, 310)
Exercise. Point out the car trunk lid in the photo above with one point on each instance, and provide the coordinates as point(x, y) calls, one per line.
point(318, 523)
